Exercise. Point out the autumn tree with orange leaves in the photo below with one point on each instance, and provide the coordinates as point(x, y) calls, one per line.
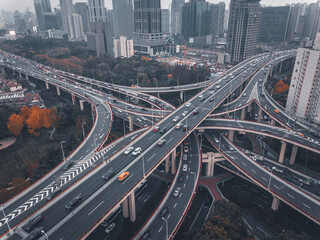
point(15, 124)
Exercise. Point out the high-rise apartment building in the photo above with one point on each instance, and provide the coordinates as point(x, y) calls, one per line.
point(123, 47)
point(82, 9)
point(175, 16)
point(217, 19)
point(97, 11)
point(123, 18)
point(304, 92)
point(274, 21)
point(243, 29)
point(165, 17)
point(76, 28)
point(66, 11)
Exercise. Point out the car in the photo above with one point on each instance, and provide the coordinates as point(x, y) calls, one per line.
point(202, 99)
point(67, 165)
point(163, 130)
point(188, 104)
point(185, 149)
point(139, 120)
point(104, 223)
point(143, 109)
point(137, 151)
point(178, 126)
point(176, 192)
point(110, 227)
point(260, 85)
point(230, 148)
point(181, 178)
point(161, 142)
point(184, 167)
point(276, 110)
point(123, 176)
point(128, 150)
point(176, 118)
point(195, 112)
point(74, 201)
point(262, 94)
point(164, 211)
point(184, 113)
point(108, 175)
point(53, 194)
point(212, 99)
point(33, 222)
point(244, 95)
point(143, 118)
point(216, 140)
point(156, 128)
point(184, 157)
point(185, 127)
point(201, 96)
point(218, 86)
point(147, 235)
point(185, 143)
point(114, 101)
point(35, 233)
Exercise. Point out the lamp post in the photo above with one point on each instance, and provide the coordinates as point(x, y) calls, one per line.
point(143, 169)
point(167, 230)
point(220, 139)
point(63, 157)
point(270, 176)
point(94, 138)
point(84, 135)
point(43, 232)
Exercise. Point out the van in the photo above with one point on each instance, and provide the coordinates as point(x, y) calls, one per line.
point(123, 176)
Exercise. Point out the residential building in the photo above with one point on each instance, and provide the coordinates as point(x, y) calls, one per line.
point(59, 34)
point(165, 17)
point(76, 28)
point(123, 18)
point(274, 21)
point(123, 47)
point(243, 29)
point(304, 93)
point(82, 9)
point(175, 16)
point(66, 11)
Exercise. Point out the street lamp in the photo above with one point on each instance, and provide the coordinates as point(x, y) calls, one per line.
point(270, 176)
point(143, 169)
point(220, 139)
point(84, 135)
point(43, 232)
point(62, 150)
point(94, 138)
point(167, 230)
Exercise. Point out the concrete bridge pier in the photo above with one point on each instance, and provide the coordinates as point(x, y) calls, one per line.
point(273, 122)
point(47, 85)
point(259, 115)
point(167, 165)
point(132, 207)
point(243, 113)
point(27, 77)
point(275, 203)
point(58, 90)
point(73, 97)
point(249, 107)
point(81, 104)
point(130, 122)
point(20, 75)
point(125, 208)
point(293, 154)
point(230, 135)
point(173, 161)
point(210, 159)
point(282, 151)
point(3, 71)
point(181, 96)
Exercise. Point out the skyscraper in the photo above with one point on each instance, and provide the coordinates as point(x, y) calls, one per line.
point(175, 15)
point(296, 18)
point(165, 17)
point(66, 10)
point(76, 28)
point(46, 6)
point(97, 11)
point(217, 19)
point(243, 29)
point(39, 13)
point(123, 18)
point(274, 21)
point(82, 9)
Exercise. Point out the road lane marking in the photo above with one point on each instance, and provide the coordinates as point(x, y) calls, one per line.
point(168, 216)
point(264, 178)
point(95, 208)
point(175, 205)
point(276, 186)
point(151, 157)
point(253, 171)
point(160, 229)
point(290, 195)
point(306, 205)
point(127, 178)
point(184, 185)
point(244, 163)
point(263, 231)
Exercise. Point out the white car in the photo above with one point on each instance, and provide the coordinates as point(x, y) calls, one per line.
point(176, 119)
point(184, 157)
point(176, 192)
point(110, 227)
point(188, 104)
point(184, 167)
point(137, 151)
point(185, 149)
point(184, 113)
point(128, 150)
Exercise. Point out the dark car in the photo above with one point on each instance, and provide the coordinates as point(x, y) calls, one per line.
point(35, 233)
point(53, 194)
point(33, 222)
point(181, 178)
point(114, 101)
point(185, 127)
point(164, 211)
point(196, 112)
point(73, 202)
point(163, 130)
point(143, 109)
point(108, 175)
point(202, 99)
point(67, 165)
point(147, 235)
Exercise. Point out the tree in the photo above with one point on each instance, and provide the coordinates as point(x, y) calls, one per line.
point(15, 124)
point(46, 118)
point(34, 121)
point(24, 113)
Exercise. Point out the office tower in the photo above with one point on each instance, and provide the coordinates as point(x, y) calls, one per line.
point(175, 16)
point(165, 17)
point(123, 18)
point(147, 37)
point(296, 22)
point(110, 18)
point(20, 23)
point(51, 21)
point(39, 13)
point(226, 20)
point(59, 18)
point(274, 21)
point(97, 11)
point(303, 99)
point(243, 29)
point(217, 19)
point(83, 10)
point(46, 6)
point(66, 11)
point(100, 36)
point(312, 21)
point(123, 47)
point(76, 28)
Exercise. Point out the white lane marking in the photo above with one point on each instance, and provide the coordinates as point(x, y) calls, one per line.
point(290, 196)
point(160, 229)
point(187, 177)
point(151, 157)
point(101, 135)
point(127, 179)
point(253, 171)
point(95, 208)
point(264, 178)
point(263, 231)
point(168, 216)
point(276, 186)
point(244, 163)
point(184, 185)
point(88, 150)
point(306, 205)
point(175, 205)
point(107, 116)
point(169, 140)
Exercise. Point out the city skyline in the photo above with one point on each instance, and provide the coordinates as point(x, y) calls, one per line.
point(12, 5)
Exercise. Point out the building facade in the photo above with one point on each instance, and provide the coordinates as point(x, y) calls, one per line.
point(175, 16)
point(97, 11)
point(83, 10)
point(165, 20)
point(217, 19)
point(123, 18)
point(123, 47)
point(66, 11)
point(243, 29)
point(39, 13)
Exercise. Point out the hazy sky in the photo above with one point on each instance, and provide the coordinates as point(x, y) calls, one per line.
point(22, 4)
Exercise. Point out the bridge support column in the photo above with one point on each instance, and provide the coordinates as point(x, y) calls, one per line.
point(181, 96)
point(275, 203)
point(130, 122)
point(167, 165)
point(47, 85)
point(27, 77)
point(81, 104)
point(20, 76)
point(282, 151)
point(73, 97)
point(230, 135)
point(58, 90)
point(3, 71)
point(132, 207)
point(173, 161)
point(243, 113)
point(125, 208)
point(259, 115)
point(293, 154)
point(273, 122)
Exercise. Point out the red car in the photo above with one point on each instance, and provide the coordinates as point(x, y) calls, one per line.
point(156, 128)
